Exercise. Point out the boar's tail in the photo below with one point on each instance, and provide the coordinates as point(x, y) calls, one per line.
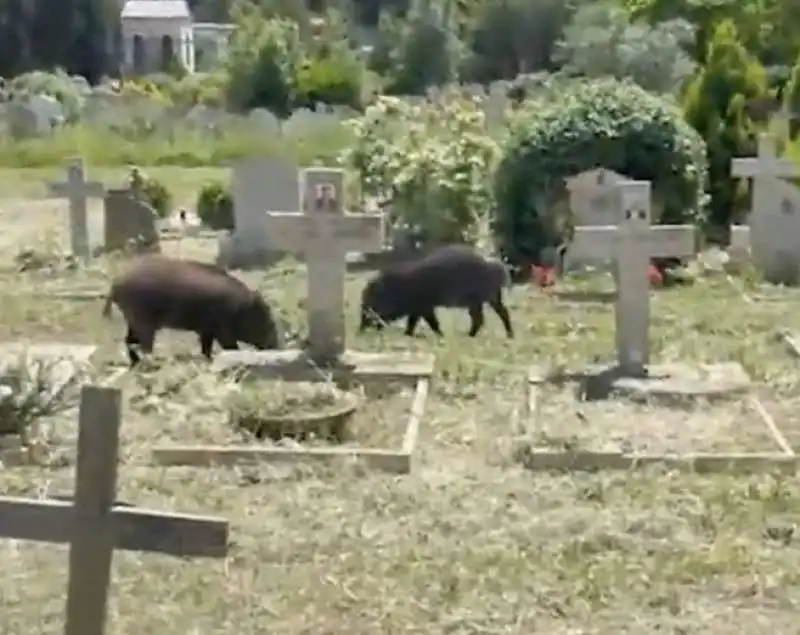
point(107, 305)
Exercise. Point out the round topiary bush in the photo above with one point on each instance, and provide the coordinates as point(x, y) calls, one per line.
point(215, 206)
point(576, 125)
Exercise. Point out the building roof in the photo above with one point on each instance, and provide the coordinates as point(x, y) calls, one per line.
point(156, 9)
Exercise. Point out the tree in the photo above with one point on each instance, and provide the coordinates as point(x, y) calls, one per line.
point(601, 41)
point(716, 106)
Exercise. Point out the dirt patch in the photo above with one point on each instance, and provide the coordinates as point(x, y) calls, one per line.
point(620, 425)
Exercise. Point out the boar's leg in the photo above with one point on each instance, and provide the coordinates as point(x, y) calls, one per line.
point(206, 344)
point(433, 322)
point(411, 324)
point(476, 317)
point(502, 313)
point(143, 339)
point(131, 343)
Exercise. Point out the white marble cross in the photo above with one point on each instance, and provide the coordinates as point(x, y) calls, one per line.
point(324, 233)
point(77, 190)
point(633, 242)
point(772, 223)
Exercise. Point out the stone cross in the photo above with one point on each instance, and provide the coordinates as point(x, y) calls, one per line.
point(633, 242)
point(77, 190)
point(772, 222)
point(94, 524)
point(324, 233)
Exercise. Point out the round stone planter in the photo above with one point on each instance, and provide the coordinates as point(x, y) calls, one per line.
point(322, 419)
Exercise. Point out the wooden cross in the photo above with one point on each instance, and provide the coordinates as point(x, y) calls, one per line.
point(77, 190)
point(633, 242)
point(94, 525)
point(324, 233)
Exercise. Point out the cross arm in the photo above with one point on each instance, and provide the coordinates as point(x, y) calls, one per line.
point(597, 241)
point(67, 189)
point(135, 529)
point(676, 241)
point(754, 166)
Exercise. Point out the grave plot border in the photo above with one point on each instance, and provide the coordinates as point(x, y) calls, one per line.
point(416, 372)
point(173, 234)
point(15, 453)
point(753, 298)
point(539, 458)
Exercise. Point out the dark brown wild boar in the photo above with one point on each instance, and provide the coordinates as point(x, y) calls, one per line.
point(450, 276)
point(160, 292)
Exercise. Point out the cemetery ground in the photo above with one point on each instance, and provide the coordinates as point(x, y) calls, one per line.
point(470, 542)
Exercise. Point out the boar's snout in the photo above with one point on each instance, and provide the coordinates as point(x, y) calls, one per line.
point(260, 329)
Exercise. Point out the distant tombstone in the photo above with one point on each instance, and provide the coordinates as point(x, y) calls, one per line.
point(305, 122)
point(260, 185)
point(21, 121)
point(78, 190)
point(264, 123)
point(774, 220)
point(594, 201)
point(130, 223)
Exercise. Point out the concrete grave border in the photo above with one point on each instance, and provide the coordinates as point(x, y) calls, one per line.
point(539, 458)
point(13, 452)
point(293, 366)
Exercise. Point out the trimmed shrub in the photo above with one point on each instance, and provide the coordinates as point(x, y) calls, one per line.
point(215, 206)
point(574, 126)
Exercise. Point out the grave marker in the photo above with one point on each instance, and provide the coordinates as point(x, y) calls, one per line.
point(633, 242)
point(324, 233)
point(261, 184)
point(95, 525)
point(594, 201)
point(77, 189)
point(773, 232)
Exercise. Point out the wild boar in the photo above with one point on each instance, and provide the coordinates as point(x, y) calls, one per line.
point(160, 292)
point(450, 276)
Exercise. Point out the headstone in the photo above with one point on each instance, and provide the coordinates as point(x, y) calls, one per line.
point(264, 123)
point(773, 220)
point(739, 248)
point(260, 185)
point(594, 201)
point(130, 223)
point(633, 242)
point(21, 121)
point(324, 233)
point(78, 190)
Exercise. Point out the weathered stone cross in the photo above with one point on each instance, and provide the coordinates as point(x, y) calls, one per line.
point(77, 190)
point(633, 242)
point(94, 525)
point(773, 226)
point(324, 233)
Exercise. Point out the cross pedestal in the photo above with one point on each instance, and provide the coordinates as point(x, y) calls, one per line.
point(324, 234)
point(77, 189)
point(94, 525)
point(632, 243)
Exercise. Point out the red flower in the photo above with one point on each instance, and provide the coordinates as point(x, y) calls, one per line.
point(654, 276)
point(543, 276)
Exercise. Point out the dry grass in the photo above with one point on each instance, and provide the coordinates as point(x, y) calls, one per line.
point(470, 543)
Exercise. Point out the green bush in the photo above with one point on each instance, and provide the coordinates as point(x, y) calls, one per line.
point(153, 191)
point(577, 125)
point(330, 80)
point(432, 161)
point(716, 105)
point(215, 206)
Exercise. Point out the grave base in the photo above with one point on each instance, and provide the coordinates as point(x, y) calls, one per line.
point(294, 365)
point(396, 461)
point(672, 380)
point(675, 381)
